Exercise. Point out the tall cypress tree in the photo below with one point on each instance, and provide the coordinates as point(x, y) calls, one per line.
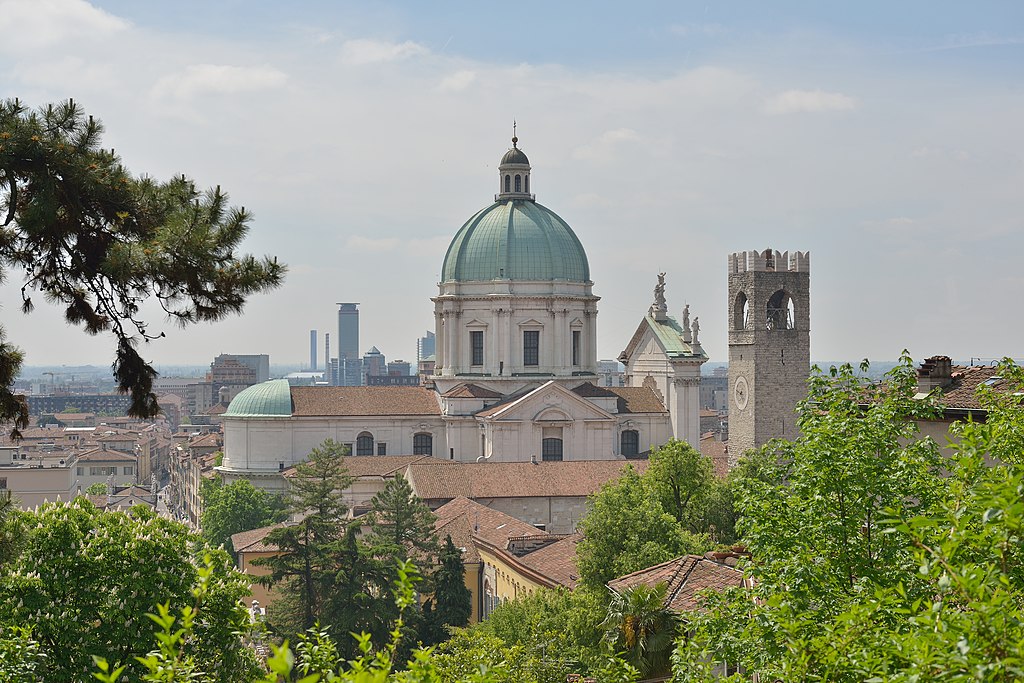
point(452, 603)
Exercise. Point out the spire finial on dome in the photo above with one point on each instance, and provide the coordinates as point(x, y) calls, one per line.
point(514, 138)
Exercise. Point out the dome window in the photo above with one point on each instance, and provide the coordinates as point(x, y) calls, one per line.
point(519, 183)
point(508, 183)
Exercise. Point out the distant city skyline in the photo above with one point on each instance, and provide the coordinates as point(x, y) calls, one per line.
point(882, 138)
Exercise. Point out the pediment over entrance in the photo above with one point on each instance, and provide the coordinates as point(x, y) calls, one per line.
point(548, 402)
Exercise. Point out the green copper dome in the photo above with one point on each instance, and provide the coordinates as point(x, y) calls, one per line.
point(515, 239)
point(269, 399)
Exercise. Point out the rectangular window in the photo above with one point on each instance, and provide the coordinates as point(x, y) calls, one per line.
point(476, 342)
point(382, 448)
point(3, 483)
point(531, 347)
point(79, 471)
point(575, 347)
point(128, 470)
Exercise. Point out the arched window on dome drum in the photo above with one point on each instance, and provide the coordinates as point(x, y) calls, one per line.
point(551, 450)
point(508, 183)
point(423, 444)
point(526, 180)
point(630, 442)
point(364, 444)
point(519, 183)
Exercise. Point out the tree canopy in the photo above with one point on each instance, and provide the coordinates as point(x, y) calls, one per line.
point(93, 238)
point(85, 579)
point(876, 557)
point(639, 520)
point(238, 506)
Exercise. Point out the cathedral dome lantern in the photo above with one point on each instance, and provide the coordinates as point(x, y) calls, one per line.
point(514, 174)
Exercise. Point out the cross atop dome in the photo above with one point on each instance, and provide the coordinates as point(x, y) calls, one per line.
point(514, 173)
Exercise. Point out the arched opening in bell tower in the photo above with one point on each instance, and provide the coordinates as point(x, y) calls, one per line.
point(779, 313)
point(741, 312)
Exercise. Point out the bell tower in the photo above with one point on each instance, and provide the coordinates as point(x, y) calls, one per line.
point(769, 345)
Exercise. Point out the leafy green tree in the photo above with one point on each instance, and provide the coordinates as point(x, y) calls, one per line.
point(626, 528)
point(86, 579)
point(641, 626)
point(12, 529)
point(97, 489)
point(21, 656)
point(304, 567)
point(238, 506)
point(874, 557)
point(682, 479)
point(98, 241)
point(452, 603)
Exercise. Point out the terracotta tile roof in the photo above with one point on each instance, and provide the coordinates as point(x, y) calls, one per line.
point(718, 452)
point(471, 391)
point(505, 402)
point(211, 440)
point(631, 399)
point(254, 541)
point(376, 465)
point(463, 519)
point(345, 401)
point(218, 409)
point(557, 560)
point(685, 576)
point(104, 455)
point(961, 394)
point(574, 478)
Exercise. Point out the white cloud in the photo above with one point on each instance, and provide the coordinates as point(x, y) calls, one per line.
point(364, 51)
point(371, 244)
point(607, 145)
point(794, 101)
point(458, 81)
point(199, 79)
point(33, 24)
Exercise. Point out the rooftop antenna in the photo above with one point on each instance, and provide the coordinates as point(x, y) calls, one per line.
point(514, 138)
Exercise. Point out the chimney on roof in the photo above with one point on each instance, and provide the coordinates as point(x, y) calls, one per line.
point(935, 372)
point(533, 458)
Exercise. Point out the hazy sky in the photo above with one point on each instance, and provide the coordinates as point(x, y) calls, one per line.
point(886, 138)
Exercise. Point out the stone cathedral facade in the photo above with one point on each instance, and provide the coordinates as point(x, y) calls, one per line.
point(516, 374)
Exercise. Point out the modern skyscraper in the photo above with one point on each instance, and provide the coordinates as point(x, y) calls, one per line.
point(425, 346)
point(349, 362)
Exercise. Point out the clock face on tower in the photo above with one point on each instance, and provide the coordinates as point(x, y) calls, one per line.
point(741, 392)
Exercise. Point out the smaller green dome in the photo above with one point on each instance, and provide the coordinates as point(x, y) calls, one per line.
point(269, 399)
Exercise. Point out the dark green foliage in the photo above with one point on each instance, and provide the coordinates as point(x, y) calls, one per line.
point(305, 566)
point(642, 628)
point(452, 603)
point(86, 579)
point(98, 241)
point(238, 506)
point(401, 525)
